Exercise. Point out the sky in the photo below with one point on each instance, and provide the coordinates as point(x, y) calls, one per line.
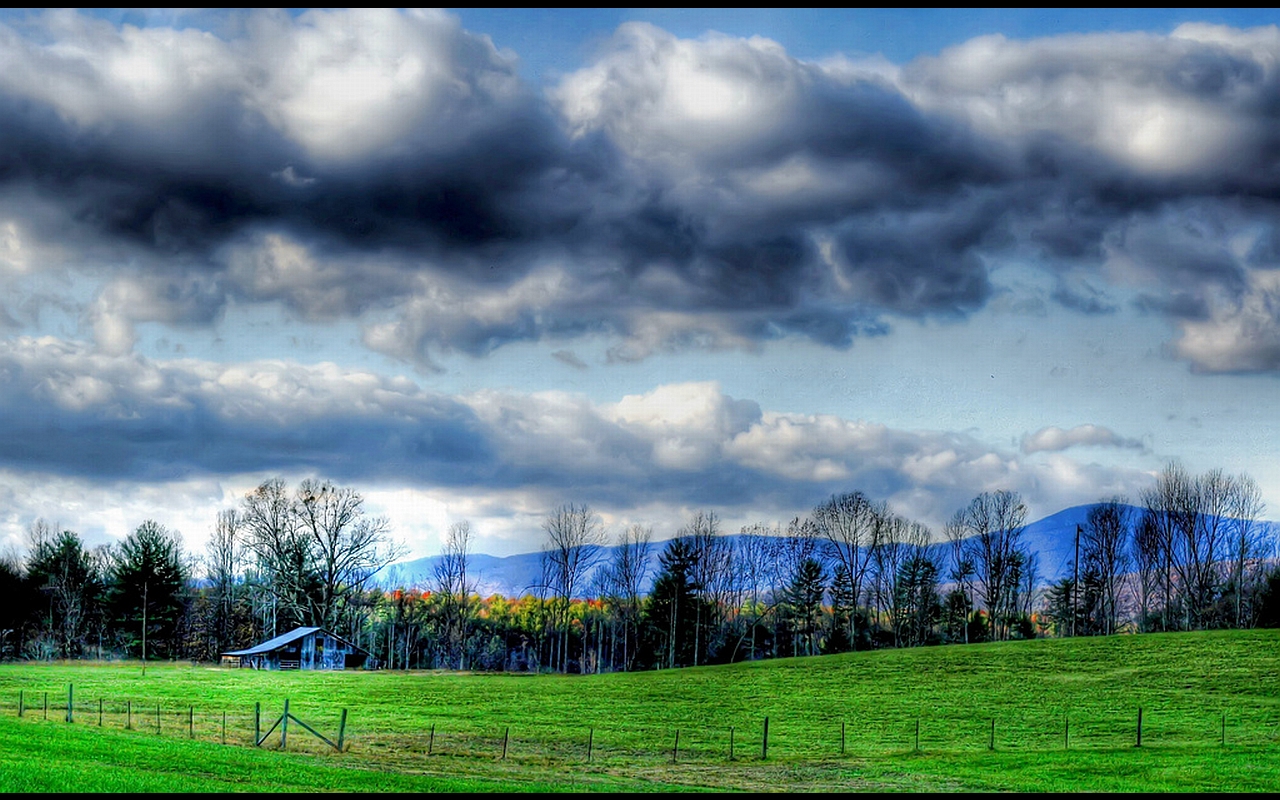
point(478, 264)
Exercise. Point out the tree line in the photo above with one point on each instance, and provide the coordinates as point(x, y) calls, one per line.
point(852, 574)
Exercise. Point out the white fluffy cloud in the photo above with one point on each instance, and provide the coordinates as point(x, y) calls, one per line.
point(1053, 439)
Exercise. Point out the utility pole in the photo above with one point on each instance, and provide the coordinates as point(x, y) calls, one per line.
point(144, 628)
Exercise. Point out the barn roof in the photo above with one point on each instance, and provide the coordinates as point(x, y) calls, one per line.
point(286, 638)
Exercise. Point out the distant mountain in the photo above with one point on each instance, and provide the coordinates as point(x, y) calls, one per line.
point(1051, 538)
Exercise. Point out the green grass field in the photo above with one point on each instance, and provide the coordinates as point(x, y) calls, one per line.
point(1064, 711)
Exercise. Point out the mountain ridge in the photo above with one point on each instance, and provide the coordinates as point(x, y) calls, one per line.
point(1051, 538)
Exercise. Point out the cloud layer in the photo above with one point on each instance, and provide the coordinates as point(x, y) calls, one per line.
point(83, 415)
point(392, 168)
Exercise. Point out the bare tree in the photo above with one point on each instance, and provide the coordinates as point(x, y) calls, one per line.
point(348, 547)
point(1147, 553)
point(1172, 506)
point(887, 555)
point(222, 572)
point(625, 579)
point(851, 525)
point(962, 569)
point(575, 539)
point(1247, 540)
point(994, 522)
point(1104, 537)
point(712, 578)
point(455, 587)
point(1198, 537)
point(756, 570)
point(284, 569)
point(314, 552)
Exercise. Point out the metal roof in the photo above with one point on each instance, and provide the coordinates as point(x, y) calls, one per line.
point(272, 644)
point(286, 638)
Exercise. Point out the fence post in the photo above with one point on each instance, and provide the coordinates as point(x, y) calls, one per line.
point(431, 740)
point(46, 705)
point(917, 734)
point(991, 742)
point(1224, 728)
point(191, 722)
point(224, 726)
point(342, 729)
point(764, 743)
point(675, 751)
point(506, 736)
point(257, 723)
point(284, 724)
point(157, 718)
point(21, 698)
point(591, 735)
point(841, 738)
point(99, 712)
point(128, 711)
point(730, 742)
point(1139, 744)
point(70, 715)
point(1066, 733)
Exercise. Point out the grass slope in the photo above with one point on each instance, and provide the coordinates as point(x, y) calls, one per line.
point(1064, 712)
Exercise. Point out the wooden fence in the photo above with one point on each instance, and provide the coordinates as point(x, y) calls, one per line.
point(759, 739)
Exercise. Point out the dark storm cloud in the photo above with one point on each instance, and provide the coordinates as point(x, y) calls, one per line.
point(1083, 297)
point(670, 194)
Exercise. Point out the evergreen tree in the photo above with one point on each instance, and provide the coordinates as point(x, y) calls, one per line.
point(803, 601)
point(917, 605)
point(842, 610)
point(70, 577)
point(148, 582)
point(671, 612)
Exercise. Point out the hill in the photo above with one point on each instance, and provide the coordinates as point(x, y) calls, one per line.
point(1041, 715)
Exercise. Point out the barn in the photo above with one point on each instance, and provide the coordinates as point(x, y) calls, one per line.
point(300, 648)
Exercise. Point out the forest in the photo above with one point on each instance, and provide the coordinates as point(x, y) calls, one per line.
point(1192, 553)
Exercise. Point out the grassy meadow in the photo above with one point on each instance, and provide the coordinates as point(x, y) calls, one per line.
point(1045, 715)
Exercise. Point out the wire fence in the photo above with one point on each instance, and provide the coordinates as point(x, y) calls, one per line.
point(329, 729)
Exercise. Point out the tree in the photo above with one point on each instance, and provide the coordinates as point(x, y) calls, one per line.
point(916, 607)
point(992, 527)
point(314, 552)
point(222, 574)
point(20, 609)
point(575, 539)
point(1104, 555)
point(285, 576)
point(1248, 545)
point(962, 571)
point(624, 581)
point(72, 579)
point(672, 607)
point(1147, 555)
point(803, 602)
point(454, 588)
point(1169, 511)
point(147, 594)
point(756, 568)
point(851, 525)
point(712, 576)
point(348, 547)
point(1203, 530)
